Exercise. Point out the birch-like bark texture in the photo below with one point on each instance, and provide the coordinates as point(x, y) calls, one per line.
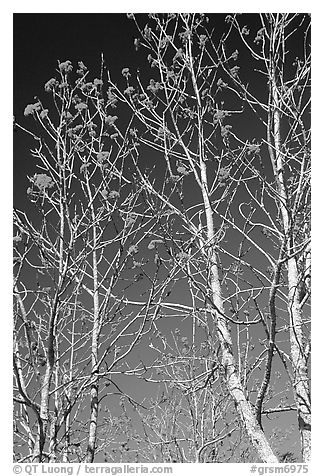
point(288, 125)
point(228, 360)
point(94, 343)
point(297, 340)
point(197, 163)
point(162, 262)
point(72, 249)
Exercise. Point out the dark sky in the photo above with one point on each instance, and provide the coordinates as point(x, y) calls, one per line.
point(40, 40)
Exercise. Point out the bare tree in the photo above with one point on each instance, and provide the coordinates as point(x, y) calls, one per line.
point(181, 114)
point(73, 253)
point(285, 118)
point(176, 426)
point(169, 244)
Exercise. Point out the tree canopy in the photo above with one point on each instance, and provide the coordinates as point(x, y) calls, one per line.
point(162, 252)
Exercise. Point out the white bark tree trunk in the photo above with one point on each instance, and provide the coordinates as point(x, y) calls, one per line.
point(228, 362)
point(297, 344)
point(92, 438)
point(243, 406)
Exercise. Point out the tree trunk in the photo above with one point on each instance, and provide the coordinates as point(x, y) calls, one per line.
point(298, 355)
point(231, 377)
point(91, 449)
point(232, 380)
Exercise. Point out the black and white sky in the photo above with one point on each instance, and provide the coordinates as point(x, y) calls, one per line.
point(40, 40)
